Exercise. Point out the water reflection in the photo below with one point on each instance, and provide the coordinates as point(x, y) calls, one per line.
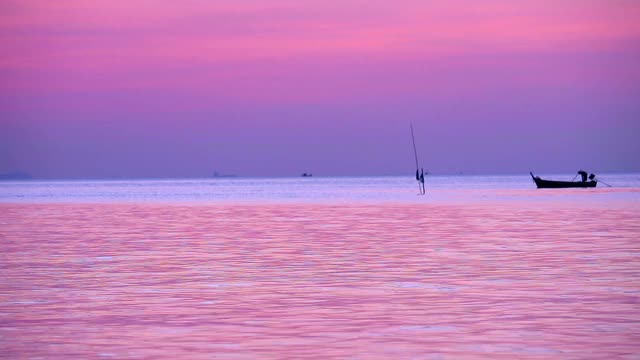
point(331, 281)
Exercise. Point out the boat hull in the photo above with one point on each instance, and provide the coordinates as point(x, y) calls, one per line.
point(552, 184)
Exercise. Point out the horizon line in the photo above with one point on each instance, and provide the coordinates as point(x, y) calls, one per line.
point(232, 177)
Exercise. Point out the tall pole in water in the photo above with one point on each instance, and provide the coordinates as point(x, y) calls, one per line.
point(415, 153)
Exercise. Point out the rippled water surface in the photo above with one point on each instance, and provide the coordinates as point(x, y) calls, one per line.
point(501, 277)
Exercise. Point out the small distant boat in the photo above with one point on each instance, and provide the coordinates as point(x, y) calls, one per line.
point(554, 184)
point(307, 175)
point(218, 175)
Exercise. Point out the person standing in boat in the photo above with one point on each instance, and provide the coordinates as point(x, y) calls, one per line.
point(583, 174)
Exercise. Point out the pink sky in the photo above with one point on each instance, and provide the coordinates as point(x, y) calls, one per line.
point(145, 88)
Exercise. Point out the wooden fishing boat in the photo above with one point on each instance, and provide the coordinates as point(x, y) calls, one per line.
point(553, 184)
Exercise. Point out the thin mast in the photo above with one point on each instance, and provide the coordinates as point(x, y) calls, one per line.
point(420, 177)
point(415, 152)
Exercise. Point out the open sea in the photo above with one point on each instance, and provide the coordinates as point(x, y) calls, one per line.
point(482, 267)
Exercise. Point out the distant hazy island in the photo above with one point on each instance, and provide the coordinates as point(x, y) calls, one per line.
point(15, 175)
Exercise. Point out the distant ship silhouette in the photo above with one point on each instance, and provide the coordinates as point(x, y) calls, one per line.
point(218, 175)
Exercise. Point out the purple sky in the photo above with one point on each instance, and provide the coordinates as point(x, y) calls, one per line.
point(139, 88)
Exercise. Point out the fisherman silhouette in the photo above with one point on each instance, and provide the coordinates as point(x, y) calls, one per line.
point(583, 174)
point(421, 179)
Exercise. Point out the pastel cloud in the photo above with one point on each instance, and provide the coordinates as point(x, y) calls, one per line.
point(143, 60)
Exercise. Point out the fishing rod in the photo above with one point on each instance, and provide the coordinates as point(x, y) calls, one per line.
point(415, 153)
point(600, 181)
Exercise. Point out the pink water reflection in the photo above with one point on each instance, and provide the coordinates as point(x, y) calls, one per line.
point(498, 281)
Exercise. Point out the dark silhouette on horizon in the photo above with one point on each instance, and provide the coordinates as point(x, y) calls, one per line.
point(555, 184)
point(420, 179)
point(419, 175)
point(219, 175)
point(16, 175)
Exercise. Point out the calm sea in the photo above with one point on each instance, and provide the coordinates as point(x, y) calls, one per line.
point(441, 189)
point(482, 267)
